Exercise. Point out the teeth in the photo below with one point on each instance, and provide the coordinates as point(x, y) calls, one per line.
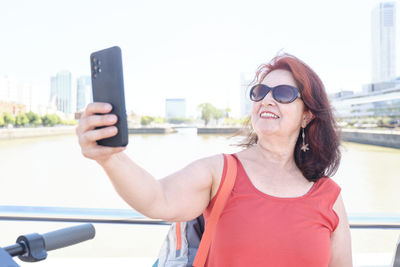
point(268, 115)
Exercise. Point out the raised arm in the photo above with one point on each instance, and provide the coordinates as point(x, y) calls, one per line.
point(180, 196)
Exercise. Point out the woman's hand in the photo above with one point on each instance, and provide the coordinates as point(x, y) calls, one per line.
point(88, 135)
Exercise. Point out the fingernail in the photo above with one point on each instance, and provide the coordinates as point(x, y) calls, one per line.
point(112, 118)
point(108, 107)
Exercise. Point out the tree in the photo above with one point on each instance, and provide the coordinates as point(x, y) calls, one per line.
point(34, 119)
point(146, 120)
point(21, 119)
point(227, 112)
point(218, 114)
point(207, 112)
point(159, 120)
point(8, 118)
point(51, 119)
point(1, 120)
point(69, 122)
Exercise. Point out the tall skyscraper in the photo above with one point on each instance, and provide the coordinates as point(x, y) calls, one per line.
point(83, 92)
point(175, 108)
point(9, 90)
point(384, 42)
point(53, 89)
point(62, 89)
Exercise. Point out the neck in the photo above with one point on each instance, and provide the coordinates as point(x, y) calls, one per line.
point(280, 154)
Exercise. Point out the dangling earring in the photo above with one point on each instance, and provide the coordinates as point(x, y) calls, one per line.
point(304, 147)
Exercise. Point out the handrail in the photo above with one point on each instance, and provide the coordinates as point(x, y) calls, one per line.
point(129, 216)
point(69, 214)
point(374, 220)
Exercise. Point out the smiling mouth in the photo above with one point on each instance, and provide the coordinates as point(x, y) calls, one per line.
point(268, 115)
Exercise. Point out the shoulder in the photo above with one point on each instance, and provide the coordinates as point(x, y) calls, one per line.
point(327, 184)
point(208, 164)
point(215, 164)
point(211, 167)
point(329, 190)
point(212, 163)
point(326, 192)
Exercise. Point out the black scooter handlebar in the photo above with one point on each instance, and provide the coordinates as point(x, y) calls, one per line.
point(34, 247)
point(68, 236)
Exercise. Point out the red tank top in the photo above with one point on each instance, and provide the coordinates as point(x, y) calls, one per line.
point(256, 229)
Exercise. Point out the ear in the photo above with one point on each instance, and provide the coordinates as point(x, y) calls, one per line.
point(307, 118)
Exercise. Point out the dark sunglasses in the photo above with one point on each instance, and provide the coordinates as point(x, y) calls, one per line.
point(282, 93)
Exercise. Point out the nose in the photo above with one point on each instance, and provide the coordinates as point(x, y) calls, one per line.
point(268, 99)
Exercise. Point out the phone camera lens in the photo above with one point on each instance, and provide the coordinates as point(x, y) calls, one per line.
point(94, 60)
point(99, 62)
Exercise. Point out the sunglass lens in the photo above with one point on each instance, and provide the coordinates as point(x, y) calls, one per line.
point(258, 92)
point(285, 94)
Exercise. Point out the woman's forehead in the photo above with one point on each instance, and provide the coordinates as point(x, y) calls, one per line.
point(278, 77)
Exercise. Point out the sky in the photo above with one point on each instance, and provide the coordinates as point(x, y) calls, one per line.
point(184, 48)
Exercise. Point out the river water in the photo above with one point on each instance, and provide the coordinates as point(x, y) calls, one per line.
point(47, 171)
point(51, 171)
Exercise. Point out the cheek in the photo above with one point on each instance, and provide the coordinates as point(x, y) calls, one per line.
point(255, 107)
point(294, 114)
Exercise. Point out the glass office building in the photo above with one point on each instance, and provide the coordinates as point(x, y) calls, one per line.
point(175, 108)
point(61, 91)
point(384, 103)
point(83, 92)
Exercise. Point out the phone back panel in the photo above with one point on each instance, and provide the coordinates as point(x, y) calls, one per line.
point(108, 86)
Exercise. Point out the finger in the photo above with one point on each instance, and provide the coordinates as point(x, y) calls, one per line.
point(89, 123)
point(96, 107)
point(89, 137)
point(100, 152)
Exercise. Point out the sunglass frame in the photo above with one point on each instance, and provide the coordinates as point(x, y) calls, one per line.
point(296, 93)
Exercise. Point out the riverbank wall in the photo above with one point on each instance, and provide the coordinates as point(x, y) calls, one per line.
point(387, 138)
point(222, 130)
point(151, 130)
point(14, 133)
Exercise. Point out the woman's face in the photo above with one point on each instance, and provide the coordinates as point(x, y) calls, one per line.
point(270, 117)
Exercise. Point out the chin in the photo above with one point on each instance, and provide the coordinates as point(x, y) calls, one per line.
point(265, 129)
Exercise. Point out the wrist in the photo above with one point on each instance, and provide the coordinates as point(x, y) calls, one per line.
point(110, 160)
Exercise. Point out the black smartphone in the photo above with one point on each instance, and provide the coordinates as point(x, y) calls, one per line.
point(108, 87)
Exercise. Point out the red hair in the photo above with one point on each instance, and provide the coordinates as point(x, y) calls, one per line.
point(321, 133)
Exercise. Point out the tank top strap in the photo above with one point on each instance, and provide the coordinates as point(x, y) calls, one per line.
point(326, 193)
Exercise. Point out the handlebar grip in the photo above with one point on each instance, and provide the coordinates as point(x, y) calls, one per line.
point(68, 236)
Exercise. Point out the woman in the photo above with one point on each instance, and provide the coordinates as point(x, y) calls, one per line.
point(282, 211)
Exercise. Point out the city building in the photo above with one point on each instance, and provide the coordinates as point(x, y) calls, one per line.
point(245, 86)
point(175, 108)
point(12, 107)
point(61, 91)
point(53, 90)
point(15, 96)
point(381, 97)
point(383, 103)
point(8, 88)
point(383, 42)
point(83, 92)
